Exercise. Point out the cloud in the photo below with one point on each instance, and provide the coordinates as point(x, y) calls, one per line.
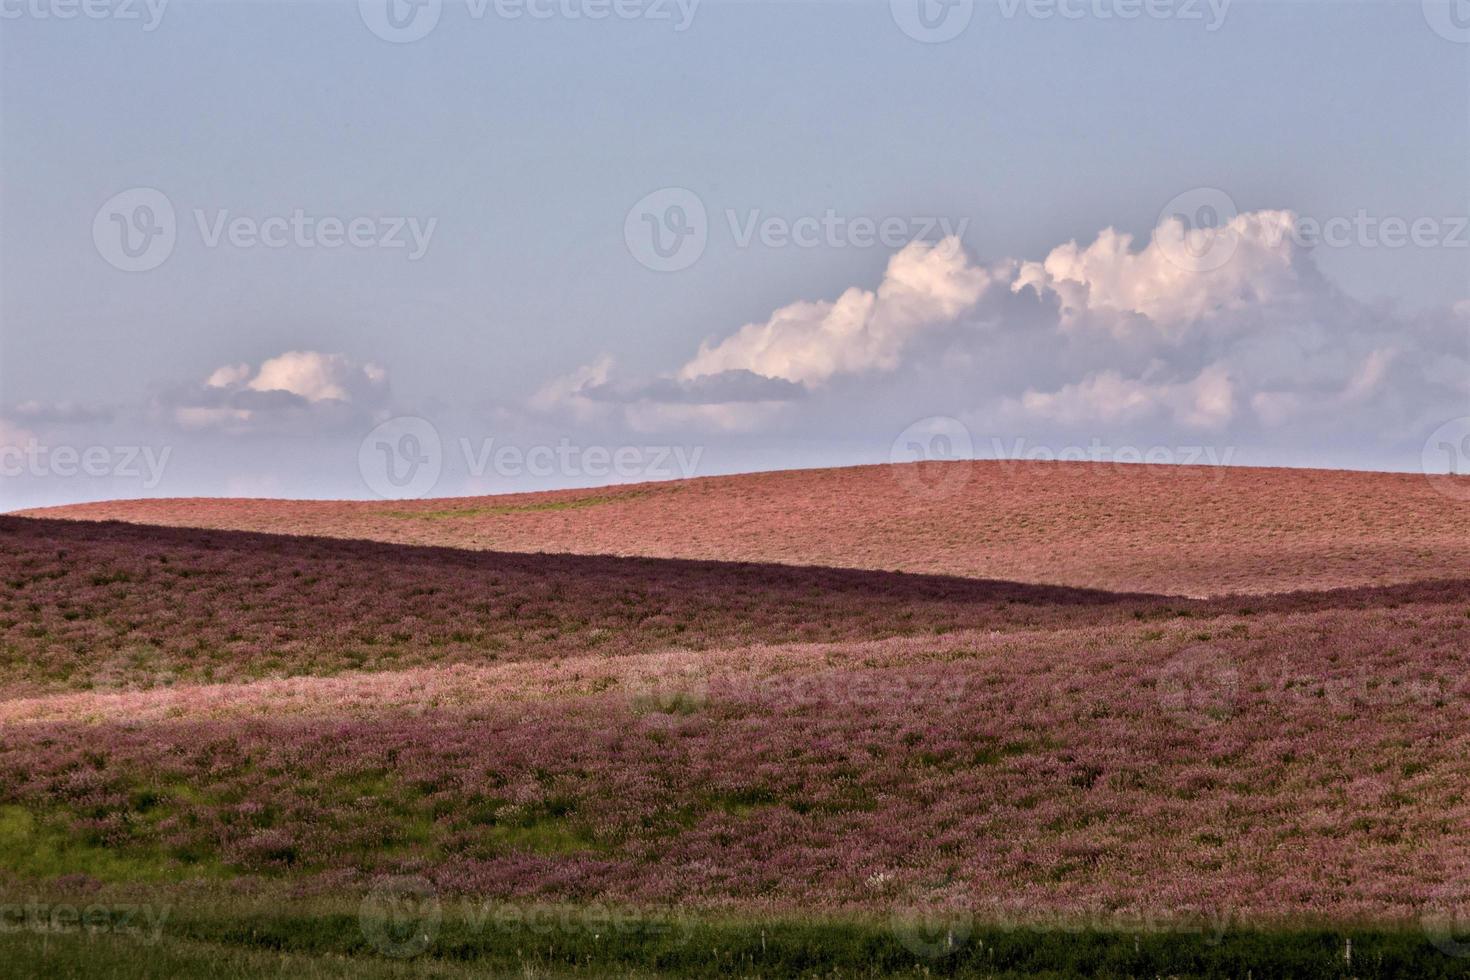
point(706, 389)
point(924, 287)
point(1205, 402)
point(292, 391)
point(1115, 337)
point(54, 413)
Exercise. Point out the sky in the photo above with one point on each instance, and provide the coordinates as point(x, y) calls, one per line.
point(390, 248)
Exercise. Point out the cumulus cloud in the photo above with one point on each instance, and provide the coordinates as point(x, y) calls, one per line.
point(294, 389)
point(1112, 335)
point(925, 286)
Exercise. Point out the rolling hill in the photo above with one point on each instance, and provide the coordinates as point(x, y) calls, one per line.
point(1177, 530)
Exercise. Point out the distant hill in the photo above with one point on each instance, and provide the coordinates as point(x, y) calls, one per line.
point(1177, 530)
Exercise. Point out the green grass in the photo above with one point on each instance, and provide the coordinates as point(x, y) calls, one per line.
point(32, 848)
point(224, 937)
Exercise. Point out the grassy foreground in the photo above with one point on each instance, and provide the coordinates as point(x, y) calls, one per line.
point(225, 939)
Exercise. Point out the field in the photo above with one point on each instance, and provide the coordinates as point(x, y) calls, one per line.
point(1172, 724)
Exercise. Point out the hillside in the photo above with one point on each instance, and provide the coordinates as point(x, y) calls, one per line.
point(1173, 530)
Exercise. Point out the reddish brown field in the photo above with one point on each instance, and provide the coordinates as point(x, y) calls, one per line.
point(193, 705)
point(1172, 530)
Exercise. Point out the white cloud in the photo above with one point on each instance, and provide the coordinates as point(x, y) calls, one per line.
point(1108, 338)
point(1205, 402)
point(925, 286)
point(295, 389)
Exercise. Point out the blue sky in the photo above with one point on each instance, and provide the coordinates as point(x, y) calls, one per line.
point(526, 141)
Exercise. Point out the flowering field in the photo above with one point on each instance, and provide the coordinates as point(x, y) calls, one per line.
point(247, 714)
point(1179, 530)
